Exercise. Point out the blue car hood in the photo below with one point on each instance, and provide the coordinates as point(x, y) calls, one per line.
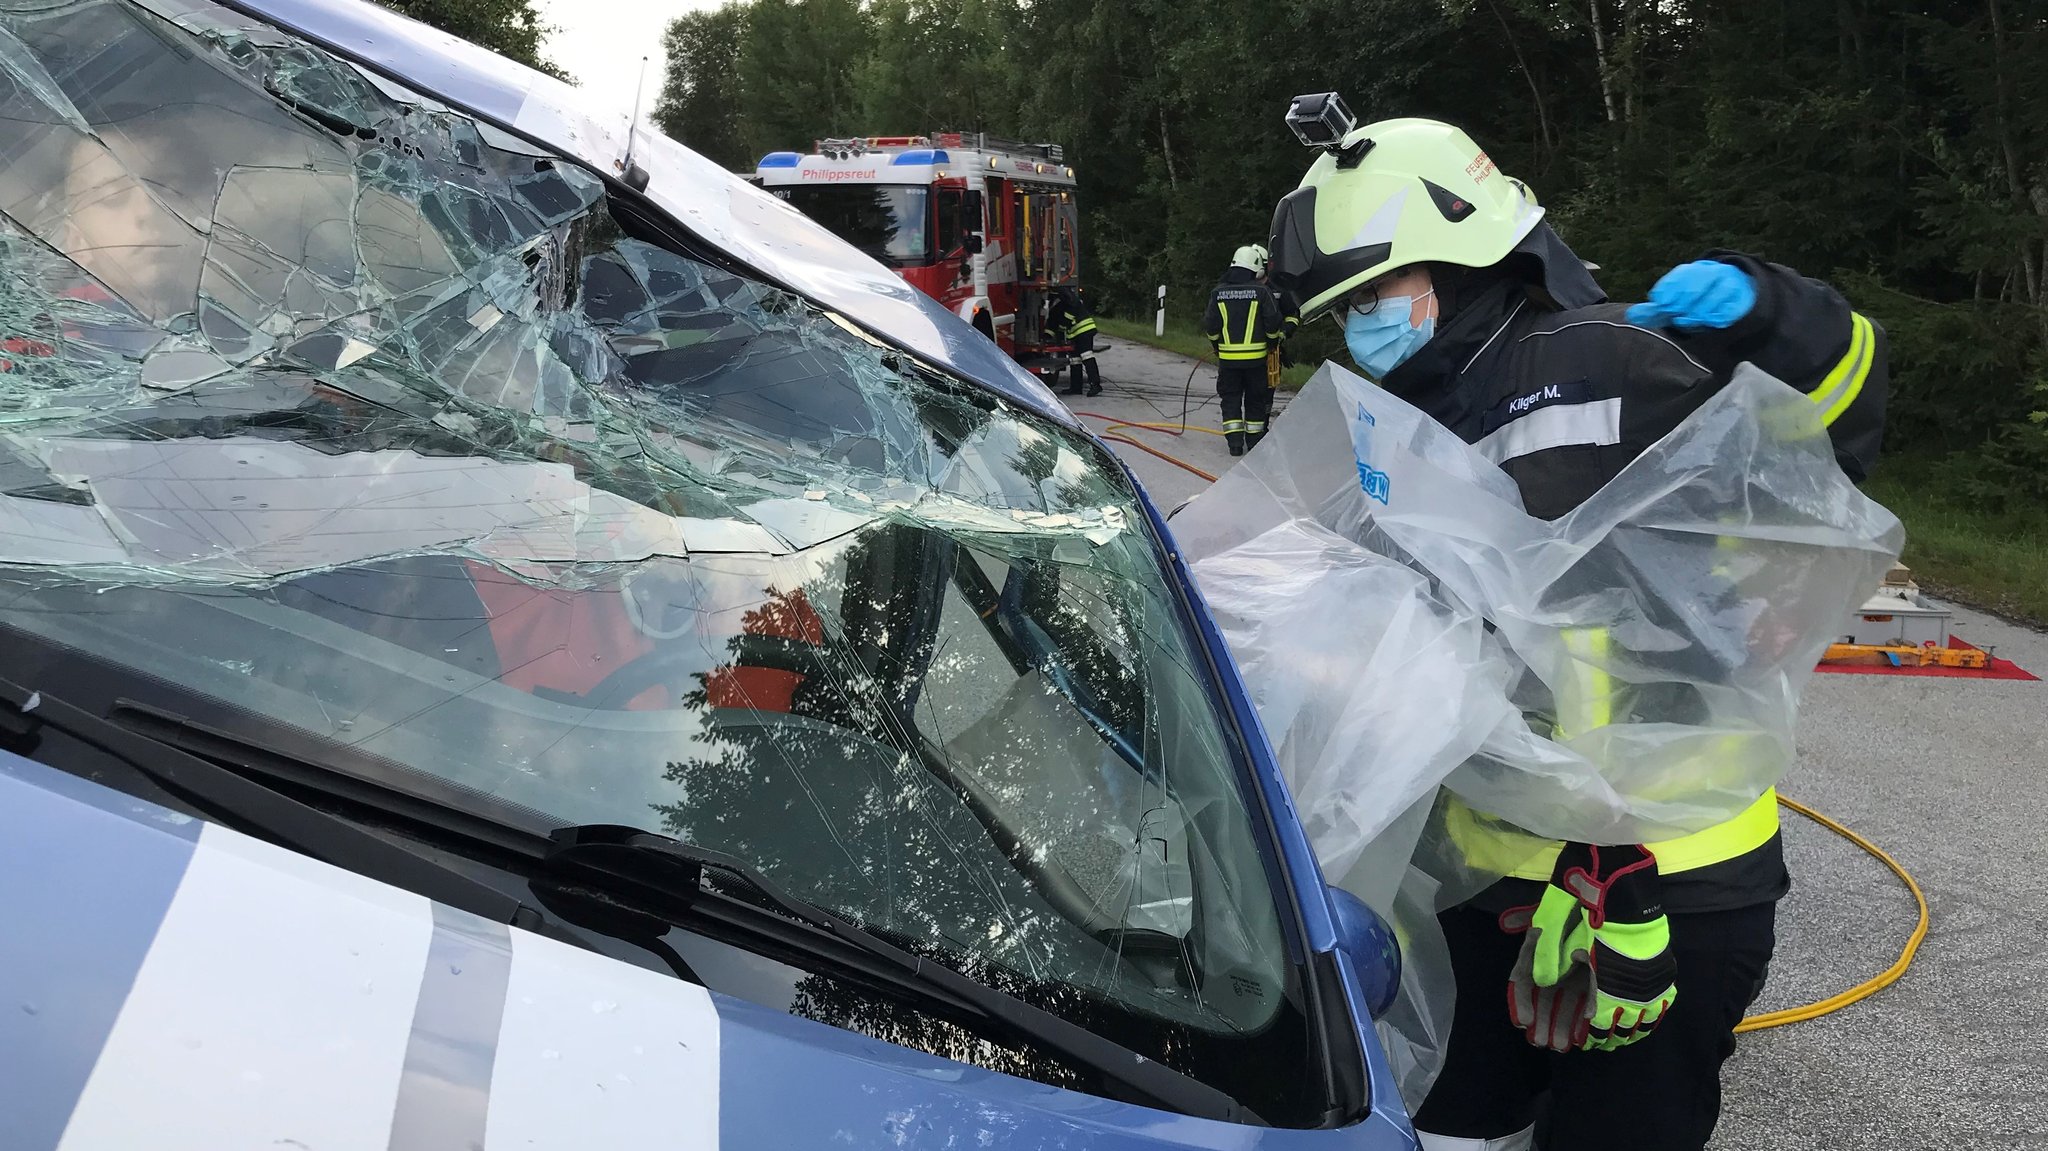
point(170, 983)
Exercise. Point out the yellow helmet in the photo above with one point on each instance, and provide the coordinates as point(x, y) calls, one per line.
point(1388, 195)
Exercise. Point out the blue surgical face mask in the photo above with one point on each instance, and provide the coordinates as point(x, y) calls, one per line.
point(1383, 339)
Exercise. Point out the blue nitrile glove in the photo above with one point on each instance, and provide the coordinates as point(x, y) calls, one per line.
point(1702, 294)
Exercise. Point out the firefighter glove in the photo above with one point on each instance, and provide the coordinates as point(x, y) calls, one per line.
point(1602, 910)
point(1554, 1016)
point(1702, 294)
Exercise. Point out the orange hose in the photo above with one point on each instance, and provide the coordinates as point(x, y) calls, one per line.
point(1169, 429)
point(1179, 463)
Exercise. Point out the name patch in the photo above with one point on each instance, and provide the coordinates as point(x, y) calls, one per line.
point(1534, 399)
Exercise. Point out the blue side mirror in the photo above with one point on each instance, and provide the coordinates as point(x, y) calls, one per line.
point(1369, 942)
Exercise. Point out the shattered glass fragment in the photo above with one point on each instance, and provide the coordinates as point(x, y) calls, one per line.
point(181, 368)
point(338, 97)
point(34, 531)
point(329, 350)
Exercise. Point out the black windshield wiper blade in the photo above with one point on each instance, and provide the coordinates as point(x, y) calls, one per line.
point(213, 788)
point(269, 813)
point(662, 875)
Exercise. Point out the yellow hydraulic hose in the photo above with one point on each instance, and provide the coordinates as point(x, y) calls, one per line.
point(1768, 1019)
point(1874, 984)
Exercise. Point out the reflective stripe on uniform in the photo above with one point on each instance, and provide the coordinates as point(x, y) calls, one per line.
point(1585, 699)
point(1255, 426)
point(1250, 347)
point(1496, 847)
point(1082, 327)
point(1233, 425)
point(1845, 382)
point(1561, 425)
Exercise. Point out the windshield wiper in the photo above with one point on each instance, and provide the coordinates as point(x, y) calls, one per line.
point(664, 876)
point(636, 876)
point(260, 808)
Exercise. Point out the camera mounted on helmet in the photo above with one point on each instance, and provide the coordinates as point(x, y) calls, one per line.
point(1321, 120)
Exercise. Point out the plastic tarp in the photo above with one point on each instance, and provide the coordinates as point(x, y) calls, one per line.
point(1627, 673)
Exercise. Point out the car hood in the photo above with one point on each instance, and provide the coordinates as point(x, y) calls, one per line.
point(172, 983)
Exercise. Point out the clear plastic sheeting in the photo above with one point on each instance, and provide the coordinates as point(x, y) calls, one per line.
point(1627, 673)
point(1327, 717)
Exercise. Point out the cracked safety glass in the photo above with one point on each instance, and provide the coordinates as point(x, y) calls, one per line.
point(327, 410)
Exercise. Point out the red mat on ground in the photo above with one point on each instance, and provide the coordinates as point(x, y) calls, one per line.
point(1995, 668)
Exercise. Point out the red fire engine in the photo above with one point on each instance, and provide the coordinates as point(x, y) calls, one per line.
point(976, 223)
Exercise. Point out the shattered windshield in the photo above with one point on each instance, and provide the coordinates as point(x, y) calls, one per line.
point(325, 409)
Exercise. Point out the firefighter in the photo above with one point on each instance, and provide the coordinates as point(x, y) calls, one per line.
point(1625, 967)
point(1073, 322)
point(1244, 320)
point(1278, 358)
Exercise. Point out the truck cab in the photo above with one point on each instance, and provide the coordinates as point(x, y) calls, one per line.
point(987, 227)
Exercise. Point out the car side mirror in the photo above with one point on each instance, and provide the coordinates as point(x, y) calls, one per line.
point(1369, 942)
point(973, 243)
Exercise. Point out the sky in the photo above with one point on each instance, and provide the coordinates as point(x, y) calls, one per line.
point(600, 43)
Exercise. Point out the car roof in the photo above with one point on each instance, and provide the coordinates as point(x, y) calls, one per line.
point(718, 208)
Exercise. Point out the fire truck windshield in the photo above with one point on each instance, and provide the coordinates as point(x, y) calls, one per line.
point(890, 222)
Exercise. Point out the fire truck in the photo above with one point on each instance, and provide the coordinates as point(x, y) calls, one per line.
point(987, 227)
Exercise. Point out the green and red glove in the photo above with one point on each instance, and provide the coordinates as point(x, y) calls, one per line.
point(1596, 971)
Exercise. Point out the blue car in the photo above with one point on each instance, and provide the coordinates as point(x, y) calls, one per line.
point(512, 638)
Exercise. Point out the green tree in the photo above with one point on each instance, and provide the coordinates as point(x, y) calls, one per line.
point(701, 103)
point(511, 28)
point(942, 64)
point(799, 67)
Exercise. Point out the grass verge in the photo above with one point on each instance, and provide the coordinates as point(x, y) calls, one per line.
point(1994, 561)
point(1184, 340)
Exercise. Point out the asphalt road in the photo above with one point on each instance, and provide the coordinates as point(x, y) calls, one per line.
point(1950, 776)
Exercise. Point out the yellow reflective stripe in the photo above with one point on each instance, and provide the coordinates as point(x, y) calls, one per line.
point(1585, 700)
point(1525, 857)
point(1723, 841)
point(1233, 425)
point(1845, 382)
point(1082, 327)
point(1248, 348)
point(1492, 846)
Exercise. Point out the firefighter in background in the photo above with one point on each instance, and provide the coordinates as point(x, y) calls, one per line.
point(1243, 322)
point(1277, 357)
point(1071, 321)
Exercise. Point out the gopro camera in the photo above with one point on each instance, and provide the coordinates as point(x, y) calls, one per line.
point(1320, 120)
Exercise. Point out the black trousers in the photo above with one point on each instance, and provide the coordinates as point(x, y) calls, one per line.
point(1662, 1093)
point(1247, 401)
point(1082, 359)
